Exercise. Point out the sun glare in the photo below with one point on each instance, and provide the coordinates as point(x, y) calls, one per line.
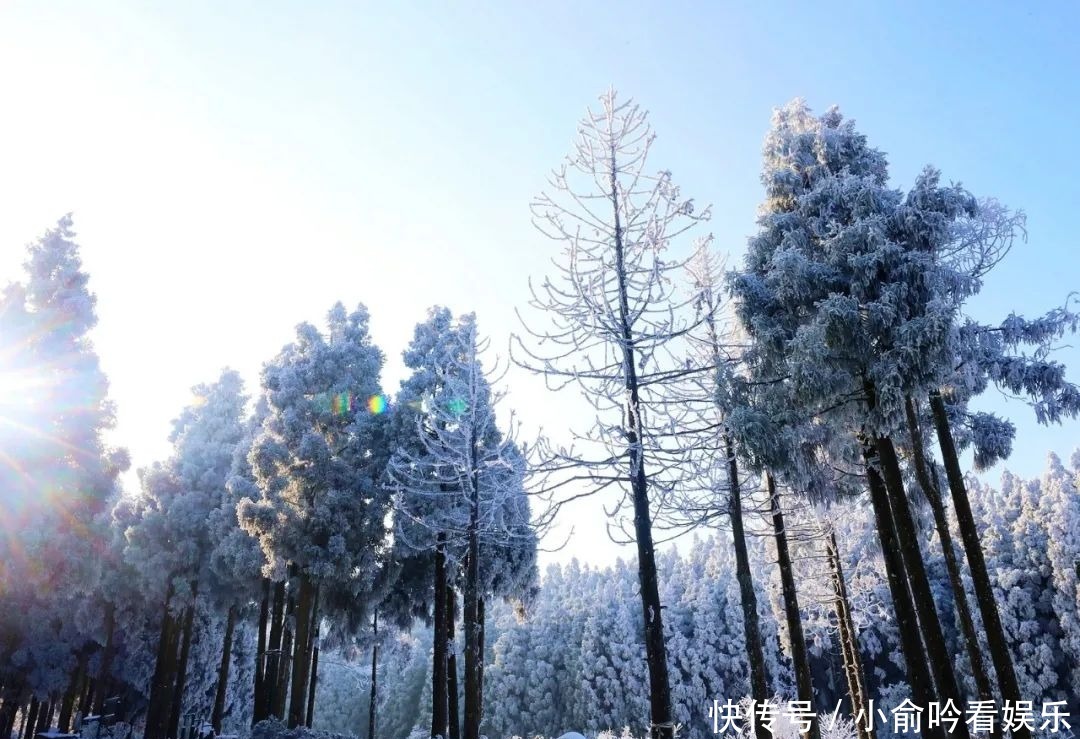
point(19, 387)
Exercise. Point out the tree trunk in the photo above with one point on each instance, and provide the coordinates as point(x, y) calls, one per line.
point(848, 636)
point(177, 705)
point(481, 617)
point(5, 708)
point(470, 619)
point(926, 609)
point(63, 721)
point(285, 664)
point(453, 715)
point(312, 681)
point(30, 719)
point(274, 656)
point(260, 703)
point(661, 726)
point(969, 534)
point(44, 719)
point(374, 675)
point(67, 706)
point(305, 602)
point(799, 655)
point(941, 522)
point(86, 702)
point(22, 721)
point(168, 690)
point(223, 671)
point(156, 711)
point(7, 715)
point(439, 720)
point(313, 670)
point(922, 686)
point(104, 679)
point(12, 700)
point(759, 688)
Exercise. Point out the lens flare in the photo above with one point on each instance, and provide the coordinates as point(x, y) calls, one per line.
point(376, 404)
point(344, 404)
point(341, 404)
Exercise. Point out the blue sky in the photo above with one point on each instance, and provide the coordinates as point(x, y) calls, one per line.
point(235, 168)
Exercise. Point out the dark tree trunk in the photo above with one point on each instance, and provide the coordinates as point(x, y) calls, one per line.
point(929, 623)
point(260, 702)
point(285, 665)
point(12, 699)
point(941, 522)
point(71, 695)
point(5, 708)
point(452, 694)
point(922, 686)
point(168, 690)
point(480, 667)
point(848, 636)
point(30, 719)
point(7, 716)
point(45, 714)
point(223, 671)
point(439, 720)
point(177, 704)
point(104, 679)
point(86, 701)
point(63, 720)
point(374, 676)
point(470, 619)
point(156, 711)
point(305, 602)
point(759, 688)
point(274, 656)
point(313, 660)
point(969, 534)
point(799, 656)
point(312, 682)
point(662, 725)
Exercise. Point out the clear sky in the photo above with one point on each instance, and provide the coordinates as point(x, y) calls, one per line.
point(235, 168)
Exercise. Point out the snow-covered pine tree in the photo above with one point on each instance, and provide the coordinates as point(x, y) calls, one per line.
point(235, 574)
point(428, 509)
point(320, 517)
point(843, 297)
point(59, 478)
point(171, 544)
point(466, 461)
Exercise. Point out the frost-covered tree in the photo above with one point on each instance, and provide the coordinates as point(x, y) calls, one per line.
point(984, 356)
point(320, 517)
point(1032, 561)
point(58, 477)
point(466, 461)
point(1062, 493)
point(613, 317)
point(172, 543)
point(429, 509)
point(235, 573)
point(715, 485)
point(844, 297)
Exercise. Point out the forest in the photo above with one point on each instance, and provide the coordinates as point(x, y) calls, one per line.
point(320, 555)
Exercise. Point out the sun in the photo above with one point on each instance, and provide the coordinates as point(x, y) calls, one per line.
point(19, 388)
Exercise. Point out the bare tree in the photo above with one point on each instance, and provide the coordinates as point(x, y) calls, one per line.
point(613, 323)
